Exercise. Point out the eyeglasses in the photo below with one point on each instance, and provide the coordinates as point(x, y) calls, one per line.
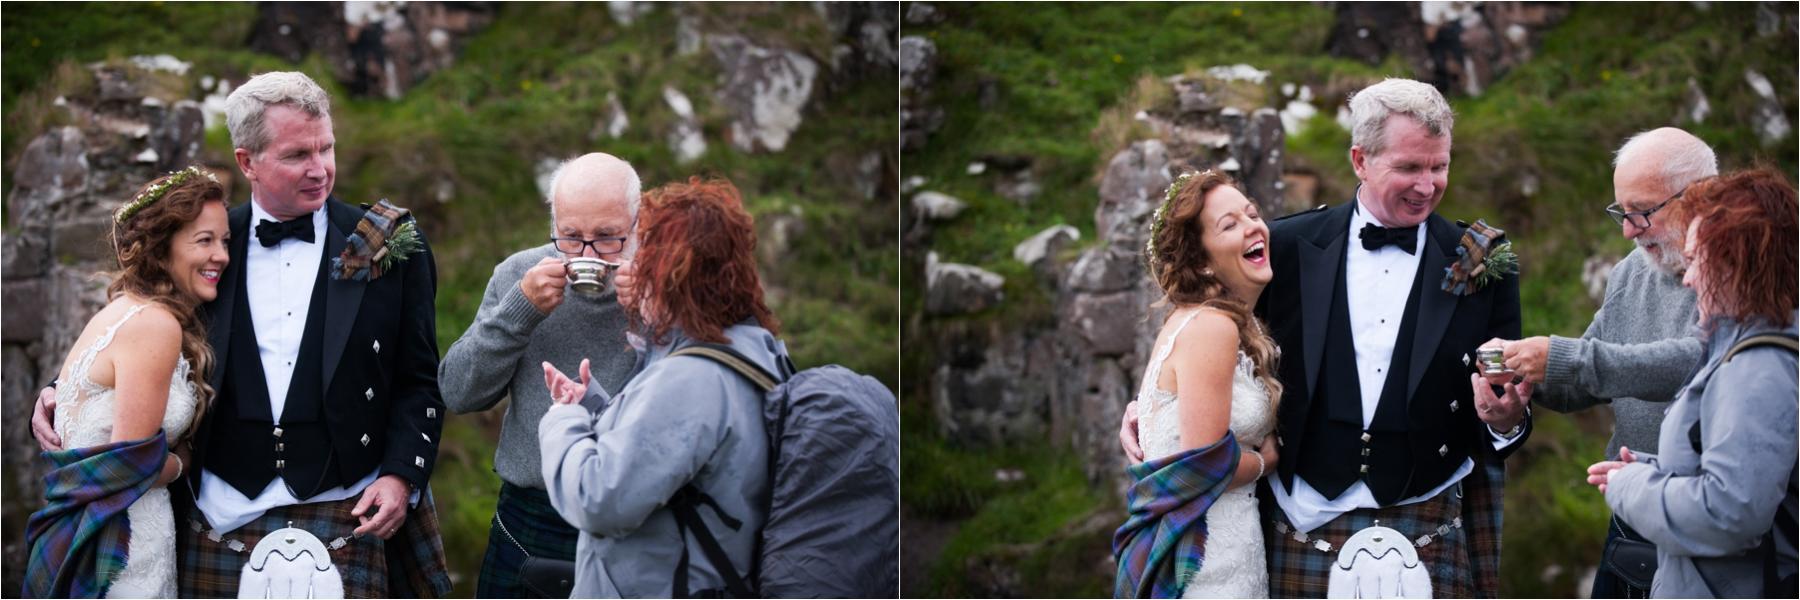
point(602, 246)
point(1640, 218)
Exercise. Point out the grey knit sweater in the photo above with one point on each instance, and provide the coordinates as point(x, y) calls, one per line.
point(503, 351)
point(1637, 354)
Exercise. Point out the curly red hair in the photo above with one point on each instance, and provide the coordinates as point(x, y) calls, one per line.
point(1747, 243)
point(696, 262)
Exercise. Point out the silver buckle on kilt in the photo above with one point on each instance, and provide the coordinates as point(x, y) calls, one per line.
point(1323, 545)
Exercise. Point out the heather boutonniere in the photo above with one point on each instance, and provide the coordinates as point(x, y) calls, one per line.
point(383, 239)
point(1483, 256)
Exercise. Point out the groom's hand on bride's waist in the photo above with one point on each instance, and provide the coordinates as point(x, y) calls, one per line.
point(1128, 436)
point(43, 420)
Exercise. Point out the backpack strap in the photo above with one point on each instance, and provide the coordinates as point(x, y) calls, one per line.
point(685, 507)
point(1767, 339)
point(1784, 521)
point(1780, 340)
point(735, 361)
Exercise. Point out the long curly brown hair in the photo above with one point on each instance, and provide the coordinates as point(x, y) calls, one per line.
point(142, 242)
point(696, 262)
point(1178, 258)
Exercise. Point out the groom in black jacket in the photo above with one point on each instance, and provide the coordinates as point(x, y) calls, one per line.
point(325, 413)
point(328, 413)
point(1384, 422)
point(1390, 442)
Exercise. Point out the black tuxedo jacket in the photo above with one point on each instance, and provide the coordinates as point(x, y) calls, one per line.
point(1440, 425)
point(375, 403)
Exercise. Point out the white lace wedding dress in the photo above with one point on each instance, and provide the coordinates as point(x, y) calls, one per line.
point(84, 417)
point(1234, 566)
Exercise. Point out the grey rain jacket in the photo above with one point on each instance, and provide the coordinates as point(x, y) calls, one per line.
point(610, 473)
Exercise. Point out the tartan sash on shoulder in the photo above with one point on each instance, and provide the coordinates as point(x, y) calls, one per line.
point(78, 541)
point(1163, 540)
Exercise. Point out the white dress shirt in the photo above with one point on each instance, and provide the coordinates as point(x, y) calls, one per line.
point(1378, 283)
point(279, 288)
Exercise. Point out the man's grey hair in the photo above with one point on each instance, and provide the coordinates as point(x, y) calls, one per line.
point(245, 106)
point(1371, 107)
point(1681, 158)
point(633, 194)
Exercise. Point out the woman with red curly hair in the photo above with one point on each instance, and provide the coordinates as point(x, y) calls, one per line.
point(682, 419)
point(1719, 501)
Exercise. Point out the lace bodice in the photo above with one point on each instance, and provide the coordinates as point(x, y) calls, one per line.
point(1234, 566)
point(1160, 422)
point(84, 409)
point(84, 417)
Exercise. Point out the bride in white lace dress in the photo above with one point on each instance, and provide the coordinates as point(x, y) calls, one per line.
point(139, 364)
point(1212, 367)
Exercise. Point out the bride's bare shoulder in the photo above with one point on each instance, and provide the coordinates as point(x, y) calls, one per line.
point(1208, 331)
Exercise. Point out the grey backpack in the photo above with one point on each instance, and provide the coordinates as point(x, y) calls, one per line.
point(833, 529)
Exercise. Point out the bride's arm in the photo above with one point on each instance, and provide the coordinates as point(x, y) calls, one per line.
point(1204, 360)
point(143, 356)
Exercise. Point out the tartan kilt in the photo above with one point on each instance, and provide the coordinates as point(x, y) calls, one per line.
point(1454, 559)
point(211, 564)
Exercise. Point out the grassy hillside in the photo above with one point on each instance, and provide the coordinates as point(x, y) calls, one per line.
point(1067, 77)
point(533, 86)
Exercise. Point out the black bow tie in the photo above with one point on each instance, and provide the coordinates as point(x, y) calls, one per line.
point(1376, 236)
point(271, 233)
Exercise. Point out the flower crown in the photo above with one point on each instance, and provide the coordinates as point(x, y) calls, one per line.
point(1156, 220)
point(155, 191)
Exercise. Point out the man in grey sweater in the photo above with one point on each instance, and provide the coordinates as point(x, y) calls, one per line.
point(1641, 346)
point(530, 316)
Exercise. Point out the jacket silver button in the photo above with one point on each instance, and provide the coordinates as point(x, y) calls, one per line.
point(1365, 437)
point(369, 394)
point(365, 439)
point(1444, 450)
point(420, 461)
point(431, 413)
point(1465, 360)
point(1453, 406)
point(277, 432)
point(427, 437)
point(278, 447)
point(280, 464)
point(378, 348)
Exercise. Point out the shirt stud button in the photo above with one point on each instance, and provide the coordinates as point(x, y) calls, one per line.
point(277, 432)
point(280, 464)
point(365, 439)
point(1444, 450)
point(1365, 437)
point(431, 413)
point(420, 461)
point(378, 346)
point(369, 394)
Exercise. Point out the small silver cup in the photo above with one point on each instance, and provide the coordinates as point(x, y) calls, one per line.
point(587, 275)
point(1493, 360)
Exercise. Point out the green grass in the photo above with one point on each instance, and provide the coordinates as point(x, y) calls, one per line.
point(532, 86)
point(1068, 76)
point(943, 481)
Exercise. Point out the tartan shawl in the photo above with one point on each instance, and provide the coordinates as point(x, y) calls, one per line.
point(1163, 540)
point(78, 541)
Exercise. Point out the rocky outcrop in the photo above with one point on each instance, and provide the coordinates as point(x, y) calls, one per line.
point(764, 89)
point(685, 139)
point(1769, 120)
point(136, 124)
point(919, 118)
point(1460, 47)
point(374, 48)
point(1078, 366)
point(954, 289)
